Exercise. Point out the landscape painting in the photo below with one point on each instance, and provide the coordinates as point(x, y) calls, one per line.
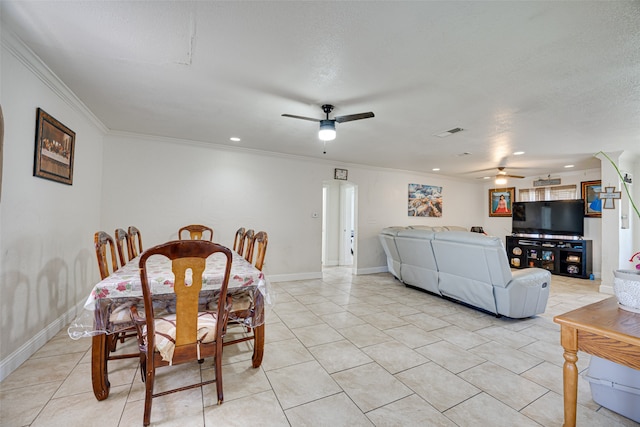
point(425, 200)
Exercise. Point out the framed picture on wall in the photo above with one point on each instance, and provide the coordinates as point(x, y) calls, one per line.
point(591, 197)
point(501, 201)
point(425, 200)
point(54, 149)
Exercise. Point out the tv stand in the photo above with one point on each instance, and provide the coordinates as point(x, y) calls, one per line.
point(566, 257)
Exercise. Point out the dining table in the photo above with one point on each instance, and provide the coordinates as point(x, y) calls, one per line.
point(106, 311)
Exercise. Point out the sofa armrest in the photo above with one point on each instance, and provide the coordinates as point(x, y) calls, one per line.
point(531, 277)
point(525, 295)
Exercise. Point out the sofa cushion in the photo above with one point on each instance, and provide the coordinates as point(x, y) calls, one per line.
point(438, 227)
point(455, 228)
point(393, 230)
point(472, 255)
point(388, 240)
point(418, 264)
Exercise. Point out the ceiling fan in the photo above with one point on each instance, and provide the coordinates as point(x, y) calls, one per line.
point(328, 126)
point(501, 172)
point(501, 176)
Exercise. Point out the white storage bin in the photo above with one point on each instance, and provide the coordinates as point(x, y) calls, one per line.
point(615, 386)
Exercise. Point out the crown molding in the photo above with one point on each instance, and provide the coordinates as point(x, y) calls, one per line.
point(18, 49)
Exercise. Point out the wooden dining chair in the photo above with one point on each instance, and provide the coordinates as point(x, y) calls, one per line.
point(105, 253)
point(188, 334)
point(119, 318)
point(196, 232)
point(242, 305)
point(135, 242)
point(259, 249)
point(238, 241)
point(122, 241)
point(248, 245)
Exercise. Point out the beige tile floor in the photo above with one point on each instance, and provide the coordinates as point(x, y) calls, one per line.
point(342, 351)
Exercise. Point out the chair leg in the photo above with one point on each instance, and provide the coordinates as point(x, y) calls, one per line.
point(218, 362)
point(113, 342)
point(148, 397)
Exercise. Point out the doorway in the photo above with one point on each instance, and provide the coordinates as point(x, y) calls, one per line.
point(338, 224)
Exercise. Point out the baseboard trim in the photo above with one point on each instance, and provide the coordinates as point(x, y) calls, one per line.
point(372, 270)
point(294, 276)
point(606, 289)
point(22, 354)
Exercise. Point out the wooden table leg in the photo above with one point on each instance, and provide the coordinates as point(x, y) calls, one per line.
point(569, 341)
point(258, 345)
point(99, 358)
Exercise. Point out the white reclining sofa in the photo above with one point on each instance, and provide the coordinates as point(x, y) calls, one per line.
point(468, 267)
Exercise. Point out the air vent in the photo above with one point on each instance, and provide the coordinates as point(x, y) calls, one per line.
point(448, 132)
point(545, 182)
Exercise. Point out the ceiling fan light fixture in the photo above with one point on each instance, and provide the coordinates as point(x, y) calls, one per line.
point(500, 180)
point(327, 130)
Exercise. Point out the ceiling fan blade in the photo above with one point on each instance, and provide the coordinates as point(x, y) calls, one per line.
point(352, 117)
point(513, 176)
point(301, 117)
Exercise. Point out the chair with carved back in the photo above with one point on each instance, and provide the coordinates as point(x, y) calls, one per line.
point(122, 242)
point(135, 242)
point(242, 303)
point(120, 317)
point(122, 239)
point(247, 245)
point(259, 250)
point(188, 335)
point(238, 240)
point(106, 253)
point(196, 232)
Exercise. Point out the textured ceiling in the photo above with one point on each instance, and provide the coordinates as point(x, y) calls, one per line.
point(558, 80)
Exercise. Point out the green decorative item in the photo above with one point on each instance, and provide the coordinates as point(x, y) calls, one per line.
point(622, 178)
point(626, 283)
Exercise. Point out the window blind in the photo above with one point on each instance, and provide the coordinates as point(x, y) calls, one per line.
point(560, 192)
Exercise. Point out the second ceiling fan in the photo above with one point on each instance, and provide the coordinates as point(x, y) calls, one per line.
point(501, 177)
point(328, 126)
point(501, 172)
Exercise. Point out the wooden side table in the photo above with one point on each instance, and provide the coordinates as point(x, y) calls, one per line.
point(601, 329)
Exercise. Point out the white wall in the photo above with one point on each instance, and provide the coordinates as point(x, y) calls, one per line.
point(629, 226)
point(170, 183)
point(634, 219)
point(382, 201)
point(47, 265)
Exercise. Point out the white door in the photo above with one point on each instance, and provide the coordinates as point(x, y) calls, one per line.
point(338, 223)
point(347, 226)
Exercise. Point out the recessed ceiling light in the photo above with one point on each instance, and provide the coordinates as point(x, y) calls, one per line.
point(435, 169)
point(568, 166)
point(518, 153)
point(235, 139)
point(486, 177)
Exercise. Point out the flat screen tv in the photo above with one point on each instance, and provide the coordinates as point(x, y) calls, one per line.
point(557, 217)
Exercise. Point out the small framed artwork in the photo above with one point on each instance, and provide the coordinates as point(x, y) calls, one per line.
point(591, 198)
point(54, 149)
point(501, 201)
point(340, 174)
